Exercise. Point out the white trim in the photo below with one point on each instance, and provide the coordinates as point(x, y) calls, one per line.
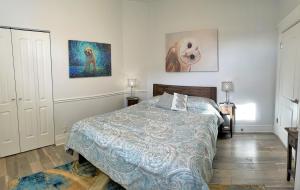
point(135, 91)
point(61, 139)
point(281, 134)
point(253, 128)
point(97, 96)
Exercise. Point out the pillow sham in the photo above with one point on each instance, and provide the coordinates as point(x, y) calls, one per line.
point(198, 102)
point(152, 100)
point(165, 101)
point(179, 102)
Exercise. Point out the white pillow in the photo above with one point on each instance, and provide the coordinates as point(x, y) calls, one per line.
point(179, 102)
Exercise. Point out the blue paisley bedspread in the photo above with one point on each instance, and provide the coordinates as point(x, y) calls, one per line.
point(145, 147)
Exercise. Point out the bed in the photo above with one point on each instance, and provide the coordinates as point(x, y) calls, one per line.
point(146, 147)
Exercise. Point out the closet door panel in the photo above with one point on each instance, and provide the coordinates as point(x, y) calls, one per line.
point(26, 84)
point(45, 102)
point(9, 135)
point(288, 59)
point(289, 78)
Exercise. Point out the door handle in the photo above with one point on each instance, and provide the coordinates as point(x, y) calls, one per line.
point(20, 99)
point(295, 101)
point(13, 99)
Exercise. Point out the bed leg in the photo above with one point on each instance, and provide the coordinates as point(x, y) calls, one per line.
point(81, 159)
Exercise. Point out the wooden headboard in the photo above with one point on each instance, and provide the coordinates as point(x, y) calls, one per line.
point(207, 92)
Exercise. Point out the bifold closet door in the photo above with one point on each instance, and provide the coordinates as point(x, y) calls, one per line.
point(32, 63)
point(9, 134)
point(289, 77)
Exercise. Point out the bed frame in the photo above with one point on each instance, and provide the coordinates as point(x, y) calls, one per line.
point(159, 89)
point(207, 92)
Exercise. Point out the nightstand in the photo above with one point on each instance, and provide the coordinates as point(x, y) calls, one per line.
point(132, 100)
point(292, 144)
point(228, 111)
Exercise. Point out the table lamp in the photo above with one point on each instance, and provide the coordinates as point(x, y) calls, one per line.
point(131, 84)
point(227, 87)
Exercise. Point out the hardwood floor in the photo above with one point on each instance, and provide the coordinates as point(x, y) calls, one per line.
point(26, 163)
point(244, 159)
point(251, 159)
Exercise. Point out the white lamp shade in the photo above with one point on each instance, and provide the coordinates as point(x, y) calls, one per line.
point(131, 82)
point(227, 86)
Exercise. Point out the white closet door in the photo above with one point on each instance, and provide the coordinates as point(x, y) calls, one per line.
point(289, 77)
point(42, 60)
point(26, 89)
point(34, 88)
point(9, 134)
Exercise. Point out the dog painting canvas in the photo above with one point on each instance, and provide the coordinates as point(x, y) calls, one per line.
point(89, 59)
point(192, 51)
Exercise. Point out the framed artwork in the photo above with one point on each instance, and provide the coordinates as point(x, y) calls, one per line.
point(192, 51)
point(89, 59)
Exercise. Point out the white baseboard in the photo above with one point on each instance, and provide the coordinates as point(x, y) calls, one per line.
point(61, 139)
point(241, 128)
point(282, 134)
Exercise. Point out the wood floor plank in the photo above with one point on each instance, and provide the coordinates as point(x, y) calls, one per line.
point(3, 184)
point(45, 161)
point(12, 166)
point(2, 167)
point(54, 154)
point(23, 165)
point(36, 167)
point(32, 156)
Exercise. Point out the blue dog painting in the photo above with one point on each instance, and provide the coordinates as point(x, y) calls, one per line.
point(89, 59)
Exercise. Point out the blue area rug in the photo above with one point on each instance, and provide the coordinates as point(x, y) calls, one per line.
point(66, 177)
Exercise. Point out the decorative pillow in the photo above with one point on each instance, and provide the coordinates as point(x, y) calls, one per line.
point(179, 102)
point(165, 101)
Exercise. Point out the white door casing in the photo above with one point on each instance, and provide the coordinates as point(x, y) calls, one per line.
point(9, 134)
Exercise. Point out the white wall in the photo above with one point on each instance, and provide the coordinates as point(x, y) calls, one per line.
point(135, 43)
point(286, 6)
point(247, 50)
point(93, 20)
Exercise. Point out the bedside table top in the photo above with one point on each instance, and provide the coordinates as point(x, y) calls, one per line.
point(223, 104)
point(132, 98)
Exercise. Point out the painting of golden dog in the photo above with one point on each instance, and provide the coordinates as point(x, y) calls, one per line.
point(89, 59)
point(192, 51)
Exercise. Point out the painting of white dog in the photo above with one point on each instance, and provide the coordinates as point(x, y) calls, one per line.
point(192, 51)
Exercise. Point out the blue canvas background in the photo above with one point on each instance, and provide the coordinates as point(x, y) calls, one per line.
point(77, 59)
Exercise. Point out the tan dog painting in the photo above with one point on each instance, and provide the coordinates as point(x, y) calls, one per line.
point(192, 51)
point(90, 60)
